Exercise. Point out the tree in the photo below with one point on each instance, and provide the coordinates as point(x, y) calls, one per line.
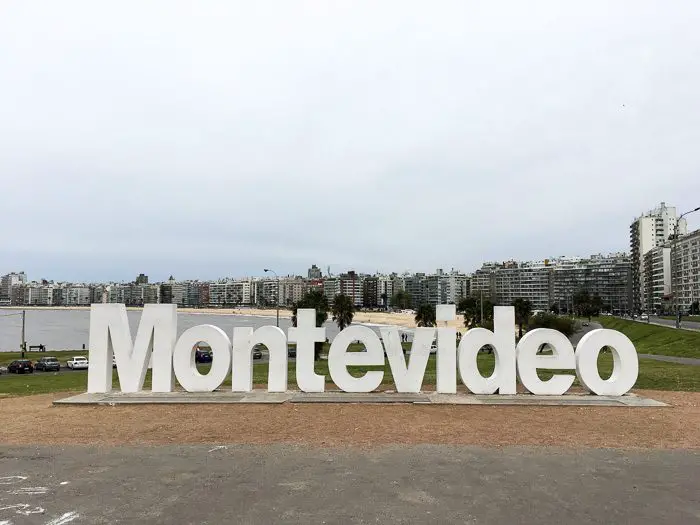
point(695, 308)
point(470, 308)
point(343, 311)
point(523, 310)
point(565, 325)
point(582, 303)
point(596, 305)
point(401, 300)
point(425, 315)
point(554, 309)
point(317, 300)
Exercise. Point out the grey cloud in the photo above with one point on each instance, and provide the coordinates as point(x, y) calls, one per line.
point(219, 137)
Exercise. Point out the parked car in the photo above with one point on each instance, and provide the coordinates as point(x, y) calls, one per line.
point(202, 356)
point(585, 323)
point(114, 361)
point(257, 353)
point(21, 366)
point(292, 351)
point(3, 370)
point(644, 317)
point(77, 363)
point(47, 364)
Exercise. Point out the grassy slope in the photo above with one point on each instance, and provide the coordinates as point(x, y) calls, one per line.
point(654, 339)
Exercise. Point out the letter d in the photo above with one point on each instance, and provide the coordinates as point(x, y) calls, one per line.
point(502, 340)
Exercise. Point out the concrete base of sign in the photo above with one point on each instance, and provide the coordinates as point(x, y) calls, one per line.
point(428, 398)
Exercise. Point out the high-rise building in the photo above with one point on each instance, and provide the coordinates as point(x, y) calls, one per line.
point(6, 284)
point(657, 280)
point(607, 276)
point(76, 295)
point(314, 272)
point(142, 279)
point(416, 288)
point(685, 271)
point(370, 292)
point(648, 231)
point(481, 282)
point(331, 288)
point(351, 286)
point(292, 290)
point(526, 280)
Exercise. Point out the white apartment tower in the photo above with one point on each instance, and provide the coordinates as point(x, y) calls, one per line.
point(648, 231)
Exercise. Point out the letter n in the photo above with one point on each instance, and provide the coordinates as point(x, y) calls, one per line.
point(110, 336)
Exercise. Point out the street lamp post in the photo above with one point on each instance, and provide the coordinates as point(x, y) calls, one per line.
point(278, 293)
point(673, 259)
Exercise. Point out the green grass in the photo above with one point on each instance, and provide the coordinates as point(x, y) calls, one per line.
point(654, 339)
point(654, 375)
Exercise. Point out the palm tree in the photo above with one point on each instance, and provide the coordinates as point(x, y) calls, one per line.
point(343, 311)
point(470, 308)
point(313, 299)
point(317, 300)
point(523, 310)
point(401, 300)
point(425, 315)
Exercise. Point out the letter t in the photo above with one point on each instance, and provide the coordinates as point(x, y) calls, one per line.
point(305, 335)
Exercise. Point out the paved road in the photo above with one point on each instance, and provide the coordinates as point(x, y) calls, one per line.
point(298, 485)
point(686, 325)
point(672, 359)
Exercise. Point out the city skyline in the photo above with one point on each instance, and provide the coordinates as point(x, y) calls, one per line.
point(243, 138)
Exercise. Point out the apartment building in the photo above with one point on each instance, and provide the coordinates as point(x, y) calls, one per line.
point(7, 282)
point(331, 288)
point(481, 282)
point(685, 271)
point(38, 294)
point(76, 295)
point(526, 280)
point(649, 230)
point(657, 280)
point(314, 272)
point(556, 281)
point(370, 292)
point(266, 292)
point(607, 276)
point(292, 290)
point(386, 288)
point(231, 293)
point(416, 287)
point(351, 286)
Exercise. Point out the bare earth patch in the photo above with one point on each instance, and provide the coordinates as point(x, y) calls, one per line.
point(34, 420)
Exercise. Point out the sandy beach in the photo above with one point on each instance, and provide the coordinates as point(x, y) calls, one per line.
point(405, 320)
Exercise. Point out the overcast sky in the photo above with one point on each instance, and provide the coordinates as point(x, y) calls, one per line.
point(209, 139)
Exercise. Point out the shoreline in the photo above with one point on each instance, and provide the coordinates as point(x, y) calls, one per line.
point(403, 320)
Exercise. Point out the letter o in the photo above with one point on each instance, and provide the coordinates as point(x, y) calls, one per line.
point(529, 361)
point(625, 362)
point(184, 364)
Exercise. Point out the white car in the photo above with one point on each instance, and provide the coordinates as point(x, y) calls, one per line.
point(77, 363)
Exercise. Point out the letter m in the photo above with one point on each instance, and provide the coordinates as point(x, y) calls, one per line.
point(110, 336)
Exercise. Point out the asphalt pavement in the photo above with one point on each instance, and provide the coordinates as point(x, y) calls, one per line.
point(300, 485)
point(686, 325)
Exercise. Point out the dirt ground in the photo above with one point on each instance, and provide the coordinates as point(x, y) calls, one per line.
point(34, 420)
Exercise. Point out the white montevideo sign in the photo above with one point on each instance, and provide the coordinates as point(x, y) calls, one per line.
point(172, 358)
